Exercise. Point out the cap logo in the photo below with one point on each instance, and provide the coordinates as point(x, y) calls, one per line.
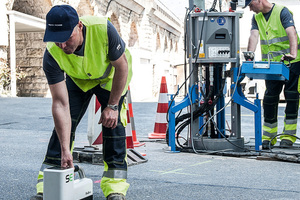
point(119, 47)
point(55, 25)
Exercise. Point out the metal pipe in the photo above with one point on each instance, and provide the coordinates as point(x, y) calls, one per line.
point(223, 71)
point(211, 74)
point(208, 129)
point(191, 4)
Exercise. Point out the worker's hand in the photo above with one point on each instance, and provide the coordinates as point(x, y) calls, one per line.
point(109, 118)
point(288, 57)
point(66, 159)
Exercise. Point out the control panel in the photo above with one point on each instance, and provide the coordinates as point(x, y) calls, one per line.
point(219, 52)
point(214, 37)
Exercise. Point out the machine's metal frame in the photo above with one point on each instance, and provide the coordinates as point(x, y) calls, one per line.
point(236, 142)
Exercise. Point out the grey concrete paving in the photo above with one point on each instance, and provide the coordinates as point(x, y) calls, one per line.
point(26, 125)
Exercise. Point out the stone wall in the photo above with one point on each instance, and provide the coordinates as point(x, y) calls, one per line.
point(29, 51)
point(37, 8)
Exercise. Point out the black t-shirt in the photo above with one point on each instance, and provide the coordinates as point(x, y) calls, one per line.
point(116, 47)
point(285, 16)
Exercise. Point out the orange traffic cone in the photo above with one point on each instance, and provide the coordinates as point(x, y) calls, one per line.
point(160, 126)
point(136, 143)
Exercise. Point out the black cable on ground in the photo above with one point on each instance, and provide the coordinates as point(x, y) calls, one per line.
point(280, 135)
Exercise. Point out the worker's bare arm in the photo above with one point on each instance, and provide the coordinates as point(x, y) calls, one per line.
point(293, 39)
point(253, 40)
point(62, 120)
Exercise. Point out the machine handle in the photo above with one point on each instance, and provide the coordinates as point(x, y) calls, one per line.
point(80, 171)
point(76, 168)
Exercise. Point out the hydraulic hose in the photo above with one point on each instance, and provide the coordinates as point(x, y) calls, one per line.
point(186, 118)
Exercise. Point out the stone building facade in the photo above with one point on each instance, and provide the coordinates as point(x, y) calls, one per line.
point(152, 33)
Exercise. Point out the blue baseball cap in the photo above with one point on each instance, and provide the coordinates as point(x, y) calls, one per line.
point(60, 22)
point(247, 3)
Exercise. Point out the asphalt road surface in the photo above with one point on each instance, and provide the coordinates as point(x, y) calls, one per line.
point(26, 125)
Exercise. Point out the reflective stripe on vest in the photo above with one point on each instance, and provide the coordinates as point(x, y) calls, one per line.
point(278, 54)
point(273, 37)
point(274, 40)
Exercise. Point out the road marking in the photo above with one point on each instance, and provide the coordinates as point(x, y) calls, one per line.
point(201, 163)
point(177, 171)
point(97, 181)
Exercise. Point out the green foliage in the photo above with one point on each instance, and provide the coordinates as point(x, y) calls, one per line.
point(5, 75)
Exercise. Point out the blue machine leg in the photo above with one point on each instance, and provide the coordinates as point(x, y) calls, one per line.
point(239, 98)
point(175, 108)
point(221, 116)
point(200, 125)
point(172, 128)
point(257, 119)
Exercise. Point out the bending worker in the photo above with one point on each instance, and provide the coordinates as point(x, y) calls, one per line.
point(93, 56)
point(275, 26)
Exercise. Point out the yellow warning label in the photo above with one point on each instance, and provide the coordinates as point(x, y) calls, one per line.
point(201, 55)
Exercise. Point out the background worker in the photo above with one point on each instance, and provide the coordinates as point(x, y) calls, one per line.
point(275, 26)
point(93, 56)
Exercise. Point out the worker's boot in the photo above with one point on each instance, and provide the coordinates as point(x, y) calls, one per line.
point(115, 196)
point(286, 143)
point(38, 196)
point(266, 145)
